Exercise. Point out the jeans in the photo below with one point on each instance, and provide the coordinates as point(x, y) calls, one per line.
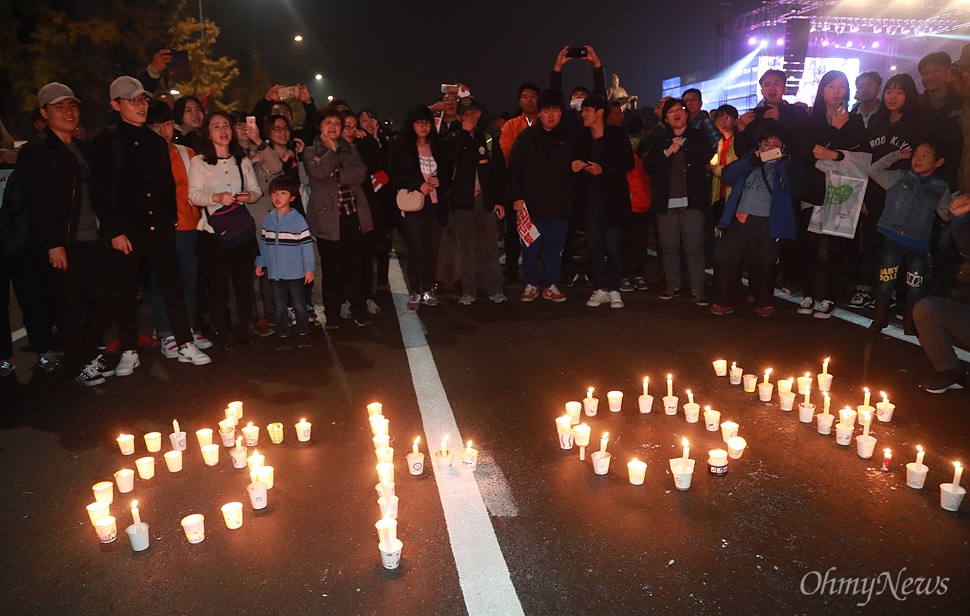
point(683, 227)
point(26, 274)
point(605, 248)
point(552, 239)
point(893, 255)
point(476, 228)
point(293, 290)
point(745, 241)
point(942, 323)
point(422, 231)
point(188, 264)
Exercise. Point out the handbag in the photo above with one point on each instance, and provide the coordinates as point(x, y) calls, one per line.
point(232, 224)
point(410, 200)
point(845, 182)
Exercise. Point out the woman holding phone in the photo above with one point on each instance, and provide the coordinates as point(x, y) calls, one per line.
point(220, 176)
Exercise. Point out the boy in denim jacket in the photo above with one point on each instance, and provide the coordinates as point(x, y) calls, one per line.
point(914, 197)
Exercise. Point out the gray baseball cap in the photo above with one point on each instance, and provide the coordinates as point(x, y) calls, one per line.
point(54, 93)
point(128, 88)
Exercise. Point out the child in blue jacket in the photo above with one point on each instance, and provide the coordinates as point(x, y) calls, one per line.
point(286, 257)
point(914, 198)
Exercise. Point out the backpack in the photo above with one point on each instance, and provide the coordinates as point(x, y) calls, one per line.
point(639, 182)
point(15, 236)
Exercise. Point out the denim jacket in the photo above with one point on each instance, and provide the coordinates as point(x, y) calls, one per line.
point(911, 201)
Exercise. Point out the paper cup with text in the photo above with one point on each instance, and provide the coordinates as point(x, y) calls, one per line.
point(232, 513)
point(670, 404)
point(389, 504)
point(107, 528)
point(735, 374)
point(178, 440)
point(682, 470)
point(843, 433)
point(416, 463)
point(194, 527)
point(720, 367)
point(749, 382)
point(884, 411)
point(916, 475)
point(692, 412)
point(257, 495)
point(590, 406)
point(712, 420)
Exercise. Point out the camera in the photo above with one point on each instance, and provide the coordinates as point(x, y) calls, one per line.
point(178, 68)
point(576, 52)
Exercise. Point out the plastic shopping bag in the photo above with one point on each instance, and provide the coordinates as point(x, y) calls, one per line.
point(845, 182)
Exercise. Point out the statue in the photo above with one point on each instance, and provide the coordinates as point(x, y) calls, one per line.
point(616, 92)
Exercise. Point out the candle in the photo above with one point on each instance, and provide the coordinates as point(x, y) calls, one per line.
point(646, 386)
point(690, 397)
point(919, 456)
point(135, 517)
point(637, 470)
point(582, 438)
point(204, 436)
point(444, 446)
point(734, 365)
point(303, 430)
point(686, 449)
point(603, 441)
point(887, 456)
point(865, 424)
point(387, 528)
point(957, 472)
point(825, 409)
point(767, 372)
point(808, 395)
point(251, 434)
point(126, 442)
point(153, 441)
point(670, 385)
point(825, 366)
point(175, 426)
point(237, 409)
point(589, 393)
point(866, 401)
point(414, 449)
point(255, 461)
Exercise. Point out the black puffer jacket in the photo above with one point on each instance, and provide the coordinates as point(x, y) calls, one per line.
point(540, 172)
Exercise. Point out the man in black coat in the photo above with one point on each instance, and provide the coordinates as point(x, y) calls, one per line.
point(773, 109)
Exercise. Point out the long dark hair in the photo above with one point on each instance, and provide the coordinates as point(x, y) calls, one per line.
point(178, 109)
point(905, 83)
point(819, 110)
point(408, 136)
point(209, 149)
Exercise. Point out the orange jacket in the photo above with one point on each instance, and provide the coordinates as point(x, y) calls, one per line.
point(511, 130)
point(188, 214)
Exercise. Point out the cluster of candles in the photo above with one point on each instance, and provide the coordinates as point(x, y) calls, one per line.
point(388, 543)
point(262, 476)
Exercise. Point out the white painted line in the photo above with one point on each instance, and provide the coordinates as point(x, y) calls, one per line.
point(20, 333)
point(482, 570)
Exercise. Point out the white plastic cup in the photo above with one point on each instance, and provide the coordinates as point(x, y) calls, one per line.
point(236, 406)
point(865, 408)
point(204, 436)
point(712, 420)
point(194, 527)
point(692, 412)
point(391, 554)
point(178, 440)
point(375, 408)
point(637, 470)
point(884, 411)
point(728, 429)
point(783, 386)
point(126, 443)
point(735, 374)
point(238, 457)
point(645, 403)
point(824, 381)
point(615, 399)
point(847, 417)
point(764, 391)
point(303, 431)
point(682, 471)
point(736, 445)
point(381, 441)
point(590, 406)
point(720, 367)
point(825, 423)
point(787, 400)
point(389, 506)
point(469, 459)
point(445, 461)
point(379, 425)
point(125, 480)
point(601, 462)
point(275, 431)
point(97, 510)
point(232, 513)
point(173, 461)
point(865, 445)
point(806, 412)
point(380, 489)
point(146, 467)
point(257, 495)
point(916, 475)
point(138, 537)
point(106, 528)
point(228, 436)
point(717, 457)
point(385, 454)
point(416, 463)
point(153, 442)
point(843, 433)
point(950, 498)
point(804, 385)
point(266, 475)
point(749, 382)
point(670, 404)
point(574, 410)
point(250, 435)
point(104, 492)
point(210, 454)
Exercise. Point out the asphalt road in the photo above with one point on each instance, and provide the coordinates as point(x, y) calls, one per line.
point(797, 512)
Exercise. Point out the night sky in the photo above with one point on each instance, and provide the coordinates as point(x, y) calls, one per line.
point(393, 55)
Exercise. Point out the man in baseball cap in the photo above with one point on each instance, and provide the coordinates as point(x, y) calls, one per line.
point(54, 93)
point(127, 88)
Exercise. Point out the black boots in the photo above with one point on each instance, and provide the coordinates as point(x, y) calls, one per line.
point(881, 320)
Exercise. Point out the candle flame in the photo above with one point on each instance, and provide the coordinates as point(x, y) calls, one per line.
point(670, 377)
point(808, 375)
point(589, 392)
point(239, 442)
point(865, 389)
point(416, 441)
point(469, 446)
point(646, 379)
point(134, 504)
point(606, 437)
point(886, 451)
point(884, 396)
point(250, 425)
point(707, 408)
point(255, 452)
point(684, 441)
point(957, 465)
point(444, 440)
point(303, 420)
point(919, 448)
point(826, 360)
point(688, 392)
point(768, 371)
point(826, 394)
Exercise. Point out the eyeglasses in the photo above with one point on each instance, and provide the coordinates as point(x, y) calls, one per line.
point(138, 102)
point(349, 127)
point(335, 123)
point(281, 129)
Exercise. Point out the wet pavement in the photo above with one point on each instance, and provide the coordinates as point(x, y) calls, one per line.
point(795, 526)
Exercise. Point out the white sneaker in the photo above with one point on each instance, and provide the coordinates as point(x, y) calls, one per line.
point(598, 298)
point(170, 348)
point(127, 364)
point(190, 353)
point(466, 300)
point(372, 307)
point(201, 342)
point(615, 300)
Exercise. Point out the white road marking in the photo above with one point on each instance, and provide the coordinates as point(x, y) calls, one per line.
point(482, 570)
point(20, 333)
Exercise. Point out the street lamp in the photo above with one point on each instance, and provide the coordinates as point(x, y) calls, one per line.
point(330, 98)
point(318, 77)
point(298, 38)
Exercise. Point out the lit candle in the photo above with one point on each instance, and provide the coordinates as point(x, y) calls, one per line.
point(686, 449)
point(646, 386)
point(865, 424)
point(582, 438)
point(251, 434)
point(690, 397)
point(303, 430)
point(734, 365)
point(175, 426)
point(825, 365)
point(885, 398)
point(767, 372)
point(415, 448)
point(866, 401)
point(919, 456)
point(126, 442)
point(255, 461)
point(444, 446)
point(957, 473)
point(603, 441)
point(135, 517)
point(825, 408)
point(808, 395)
point(670, 385)
point(589, 393)
point(887, 456)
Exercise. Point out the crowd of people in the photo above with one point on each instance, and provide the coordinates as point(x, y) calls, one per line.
point(173, 202)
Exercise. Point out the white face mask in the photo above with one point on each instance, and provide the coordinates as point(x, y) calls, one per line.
point(576, 103)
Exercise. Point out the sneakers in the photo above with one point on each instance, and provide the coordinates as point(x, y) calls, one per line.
point(48, 362)
point(147, 342)
point(720, 310)
point(91, 375)
point(669, 293)
point(170, 348)
point(6, 368)
point(372, 307)
point(941, 382)
point(765, 311)
point(466, 300)
point(102, 366)
point(127, 364)
point(303, 341)
point(861, 299)
point(529, 293)
point(498, 298)
point(553, 294)
point(598, 298)
point(615, 300)
point(284, 344)
point(572, 281)
point(626, 286)
point(263, 328)
point(201, 342)
point(189, 353)
point(363, 320)
point(824, 310)
point(807, 306)
point(639, 283)
point(700, 300)
point(430, 298)
point(414, 301)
